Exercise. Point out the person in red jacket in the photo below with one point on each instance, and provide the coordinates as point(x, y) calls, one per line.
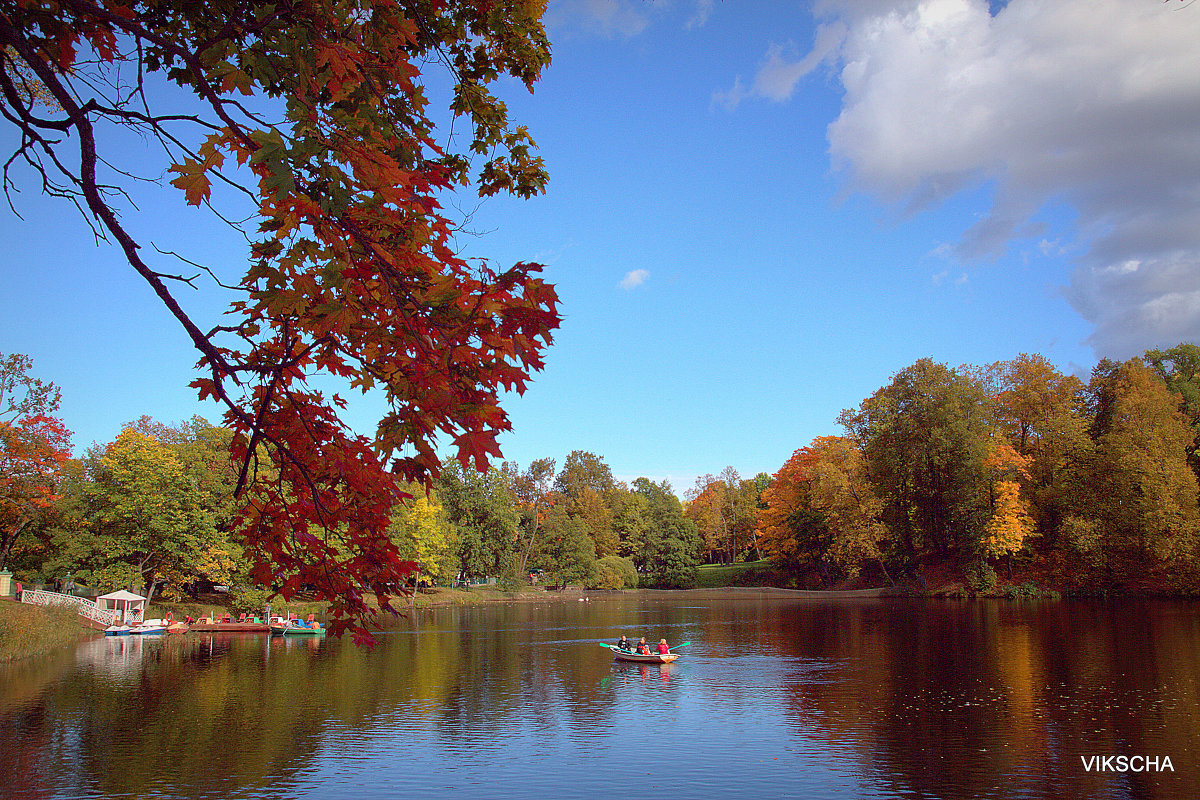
point(662, 647)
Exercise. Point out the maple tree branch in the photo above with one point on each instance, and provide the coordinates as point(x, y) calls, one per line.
point(86, 180)
point(190, 58)
point(188, 281)
point(256, 435)
point(354, 272)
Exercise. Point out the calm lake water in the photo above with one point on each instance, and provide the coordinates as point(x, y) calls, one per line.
point(773, 698)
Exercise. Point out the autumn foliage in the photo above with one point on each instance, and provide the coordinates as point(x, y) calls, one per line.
point(1010, 469)
point(353, 271)
point(31, 453)
point(33, 447)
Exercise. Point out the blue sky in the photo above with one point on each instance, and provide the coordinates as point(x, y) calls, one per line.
point(758, 212)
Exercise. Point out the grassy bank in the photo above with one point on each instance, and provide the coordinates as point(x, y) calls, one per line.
point(27, 631)
point(750, 573)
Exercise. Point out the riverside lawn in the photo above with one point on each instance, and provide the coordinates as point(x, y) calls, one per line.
point(28, 631)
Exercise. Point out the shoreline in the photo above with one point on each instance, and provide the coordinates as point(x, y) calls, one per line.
point(573, 594)
point(443, 598)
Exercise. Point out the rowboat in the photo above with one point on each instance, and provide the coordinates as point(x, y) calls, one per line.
point(644, 658)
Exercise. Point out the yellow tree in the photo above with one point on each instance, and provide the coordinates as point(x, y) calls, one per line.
point(724, 510)
point(1011, 523)
point(151, 518)
point(589, 506)
point(423, 534)
point(1147, 491)
point(1041, 412)
point(705, 508)
point(840, 490)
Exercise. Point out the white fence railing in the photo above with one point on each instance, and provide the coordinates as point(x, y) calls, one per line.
point(82, 606)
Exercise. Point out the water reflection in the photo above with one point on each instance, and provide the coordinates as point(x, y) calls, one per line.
point(774, 697)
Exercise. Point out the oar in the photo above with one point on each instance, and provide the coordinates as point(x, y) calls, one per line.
point(676, 647)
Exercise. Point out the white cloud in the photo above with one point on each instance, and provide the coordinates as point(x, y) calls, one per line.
point(731, 99)
point(608, 17)
point(1139, 304)
point(782, 68)
point(634, 278)
point(699, 17)
point(1094, 104)
point(624, 18)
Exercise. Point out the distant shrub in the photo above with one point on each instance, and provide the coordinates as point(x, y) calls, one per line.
point(251, 600)
point(614, 572)
point(981, 577)
point(1023, 592)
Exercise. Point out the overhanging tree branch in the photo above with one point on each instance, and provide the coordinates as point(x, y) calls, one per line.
point(352, 272)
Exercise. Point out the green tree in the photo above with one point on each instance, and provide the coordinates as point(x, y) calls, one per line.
point(614, 572)
point(631, 522)
point(568, 553)
point(925, 436)
point(148, 516)
point(482, 508)
point(669, 552)
point(584, 470)
point(1179, 368)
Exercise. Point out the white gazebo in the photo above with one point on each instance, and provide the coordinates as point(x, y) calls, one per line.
point(128, 608)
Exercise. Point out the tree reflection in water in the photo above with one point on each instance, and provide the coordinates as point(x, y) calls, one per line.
point(776, 695)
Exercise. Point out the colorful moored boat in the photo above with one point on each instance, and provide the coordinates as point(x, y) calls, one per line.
point(295, 627)
point(147, 628)
point(245, 623)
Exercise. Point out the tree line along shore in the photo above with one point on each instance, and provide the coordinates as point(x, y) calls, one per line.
point(1011, 478)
